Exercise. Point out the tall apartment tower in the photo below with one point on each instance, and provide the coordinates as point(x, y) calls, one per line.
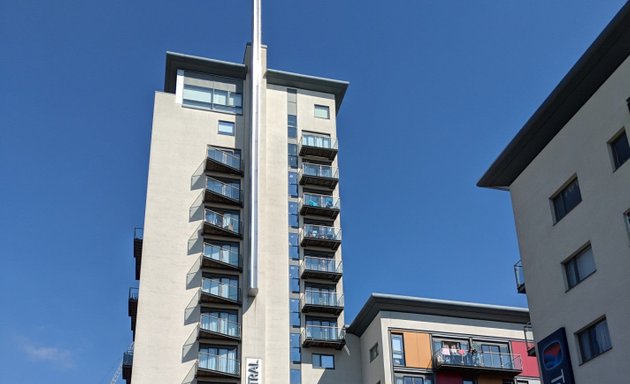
point(211, 307)
point(568, 175)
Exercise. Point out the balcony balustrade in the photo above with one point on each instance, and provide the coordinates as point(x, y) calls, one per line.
point(223, 161)
point(520, 277)
point(319, 175)
point(528, 336)
point(127, 364)
point(320, 236)
point(321, 268)
point(312, 204)
point(477, 361)
point(323, 337)
point(217, 366)
point(220, 290)
point(322, 302)
point(218, 192)
point(132, 307)
point(318, 145)
point(225, 257)
point(219, 224)
point(138, 238)
point(212, 327)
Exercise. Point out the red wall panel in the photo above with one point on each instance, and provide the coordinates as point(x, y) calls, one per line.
point(449, 378)
point(530, 363)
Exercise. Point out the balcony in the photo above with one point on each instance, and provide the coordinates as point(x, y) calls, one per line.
point(127, 364)
point(214, 291)
point(323, 337)
point(223, 161)
point(320, 268)
point(213, 366)
point(313, 204)
point(215, 256)
point(218, 192)
point(215, 223)
point(322, 302)
point(320, 236)
point(520, 277)
point(478, 362)
point(528, 336)
point(318, 145)
point(138, 236)
point(213, 327)
point(319, 175)
point(132, 307)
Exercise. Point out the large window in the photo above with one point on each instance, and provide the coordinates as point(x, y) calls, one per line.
point(293, 184)
point(406, 379)
point(323, 361)
point(594, 340)
point(294, 249)
point(566, 199)
point(293, 155)
point(398, 350)
point(579, 267)
point(296, 353)
point(293, 215)
point(206, 97)
point(620, 149)
point(292, 126)
point(296, 376)
point(294, 277)
point(322, 111)
point(294, 308)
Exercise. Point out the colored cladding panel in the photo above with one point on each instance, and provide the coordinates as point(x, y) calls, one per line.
point(489, 380)
point(417, 350)
point(530, 363)
point(449, 378)
point(555, 361)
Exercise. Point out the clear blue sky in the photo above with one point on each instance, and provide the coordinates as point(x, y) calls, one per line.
point(450, 81)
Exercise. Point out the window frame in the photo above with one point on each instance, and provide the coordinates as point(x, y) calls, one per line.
point(402, 351)
point(571, 263)
point(374, 353)
point(591, 329)
point(321, 107)
point(616, 161)
point(559, 195)
point(224, 122)
point(320, 357)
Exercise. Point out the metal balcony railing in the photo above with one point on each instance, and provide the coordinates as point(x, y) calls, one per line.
point(318, 141)
point(321, 264)
point(215, 324)
point(321, 232)
point(133, 294)
point(320, 201)
point(228, 191)
point(226, 158)
point(478, 360)
point(219, 363)
point(216, 287)
point(128, 358)
point(226, 255)
point(519, 276)
point(322, 299)
point(322, 333)
point(528, 336)
point(317, 170)
point(229, 223)
point(138, 233)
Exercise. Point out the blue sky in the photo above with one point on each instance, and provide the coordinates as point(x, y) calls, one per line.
point(451, 81)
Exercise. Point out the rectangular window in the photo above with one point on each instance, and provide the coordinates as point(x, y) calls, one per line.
point(296, 376)
point(226, 128)
point(594, 340)
point(323, 361)
point(208, 92)
point(294, 249)
point(294, 309)
point(469, 381)
point(293, 158)
point(293, 215)
point(294, 277)
point(414, 379)
point(296, 354)
point(567, 199)
point(322, 111)
point(620, 149)
point(579, 267)
point(398, 350)
point(373, 352)
point(292, 126)
point(293, 184)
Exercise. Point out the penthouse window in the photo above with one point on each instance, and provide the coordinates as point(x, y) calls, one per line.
point(620, 149)
point(594, 340)
point(205, 91)
point(579, 267)
point(398, 350)
point(566, 199)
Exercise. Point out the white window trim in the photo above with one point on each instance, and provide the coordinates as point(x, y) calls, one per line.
point(179, 87)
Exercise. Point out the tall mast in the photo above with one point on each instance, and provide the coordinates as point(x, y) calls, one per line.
point(256, 79)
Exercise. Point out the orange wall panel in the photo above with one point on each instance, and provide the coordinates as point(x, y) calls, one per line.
point(417, 350)
point(489, 380)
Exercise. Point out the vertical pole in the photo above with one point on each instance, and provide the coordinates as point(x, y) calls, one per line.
point(256, 78)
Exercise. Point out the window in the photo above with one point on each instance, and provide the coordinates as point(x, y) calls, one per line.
point(322, 112)
point(294, 249)
point(292, 126)
point(594, 340)
point(469, 381)
point(201, 92)
point(293, 184)
point(620, 149)
point(226, 128)
point(294, 273)
point(373, 352)
point(293, 158)
point(323, 361)
point(398, 351)
point(294, 309)
point(565, 200)
point(413, 379)
point(579, 267)
point(296, 376)
point(296, 354)
point(293, 215)
point(627, 219)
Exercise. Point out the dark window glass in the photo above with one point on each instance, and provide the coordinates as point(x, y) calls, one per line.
point(567, 199)
point(296, 376)
point(293, 184)
point(374, 352)
point(293, 217)
point(294, 308)
point(294, 273)
point(323, 361)
point(580, 267)
point(620, 149)
point(296, 354)
point(594, 340)
point(292, 126)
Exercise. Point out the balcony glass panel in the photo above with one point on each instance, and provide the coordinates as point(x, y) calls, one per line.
point(519, 275)
point(227, 220)
point(318, 141)
point(323, 333)
point(220, 360)
point(321, 264)
point(221, 322)
point(489, 357)
point(225, 254)
point(320, 201)
point(128, 358)
point(232, 191)
point(221, 286)
point(318, 170)
point(323, 298)
point(230, 159)
point(321, 232)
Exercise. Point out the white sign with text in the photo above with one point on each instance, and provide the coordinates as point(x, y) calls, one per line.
point(254, 371)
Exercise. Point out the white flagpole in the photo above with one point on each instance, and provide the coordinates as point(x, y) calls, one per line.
point(256, 79)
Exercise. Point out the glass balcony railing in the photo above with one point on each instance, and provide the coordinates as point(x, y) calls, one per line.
point(318, 141)
point(320, 201)
point(227, 255)
point(133, 294)
point(227, 190)
point(478, 360)
point(228, 221)
point(128, 358)
point(520, 277)
point(528, 336)
point(221, 287)
point(138, 233)
point(224, 157)
point(321, 264)
point(219, 363)
point(318, 170)
point(321, 232)
point(213, 323)
point(323, 299)
point(322, 333)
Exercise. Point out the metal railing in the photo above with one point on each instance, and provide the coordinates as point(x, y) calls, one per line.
point(519, 276)
point(228, 255)
point(228, 190)
point(219, 363)
point(133, 294)
point(230, 223)
point(318, 170)
point(316, 332)
point(528, 336)
point(319, 201)
point(216, 324)
point(224, 157)
point(215, 287)
point(138, 233)
point(318, 141)
point(478, 359)
point(312, 231)
point(325, 299)
point(128, 358)
point(321, 264)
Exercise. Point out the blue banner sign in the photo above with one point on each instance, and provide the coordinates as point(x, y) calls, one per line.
point(555, 361)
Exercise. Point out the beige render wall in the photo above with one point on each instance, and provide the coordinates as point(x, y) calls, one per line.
point(580, 148)
point(373, 372)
